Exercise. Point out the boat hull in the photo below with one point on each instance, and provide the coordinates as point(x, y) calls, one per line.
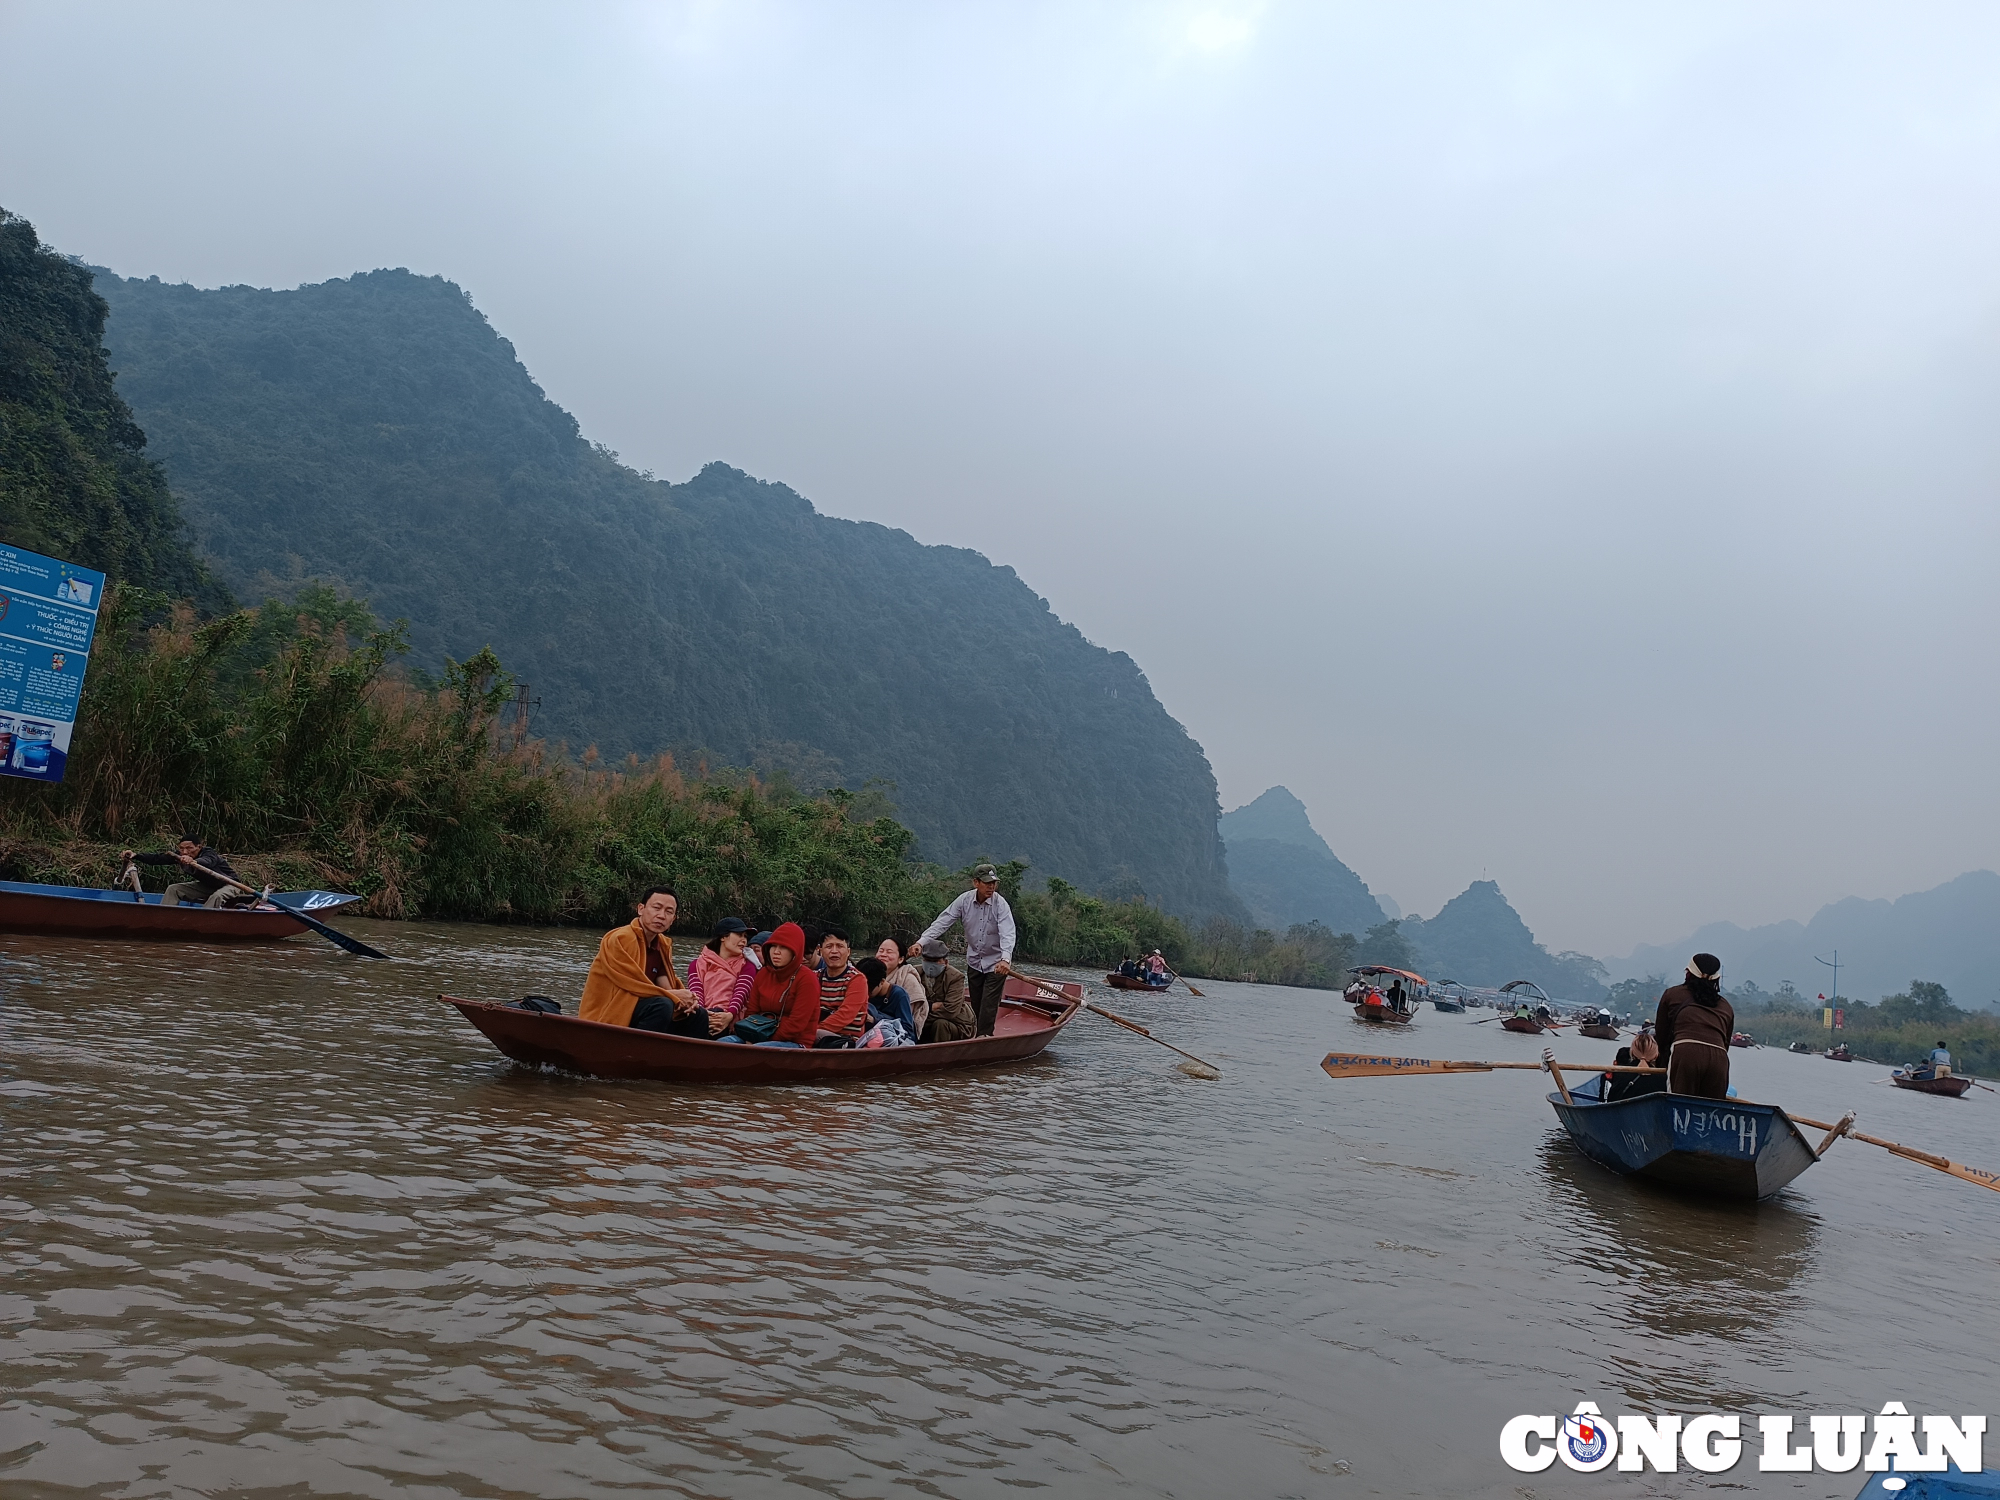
point(1127, 982)
point(573, 1045)
point(1525, 1024)
point(1951, 1087)
point(1450, 1007)
point(1380, 1015)
point(84, 911)
point(1602, 1033)
point(1723, 1148)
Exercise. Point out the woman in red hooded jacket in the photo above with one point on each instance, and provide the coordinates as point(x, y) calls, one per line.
point(786, 988)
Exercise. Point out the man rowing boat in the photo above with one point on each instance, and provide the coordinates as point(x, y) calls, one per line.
point(989, 942)
point(1694, 1025)
point(198, 859)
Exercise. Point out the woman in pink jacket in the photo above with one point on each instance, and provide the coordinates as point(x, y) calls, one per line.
point(721, 973)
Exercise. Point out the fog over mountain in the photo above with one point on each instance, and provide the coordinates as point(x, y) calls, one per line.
point(1555, 443)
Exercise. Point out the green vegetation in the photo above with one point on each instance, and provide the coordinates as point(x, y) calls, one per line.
point(722, 619)
point(290, 731)
point(1899, 1028)
point(74, 481)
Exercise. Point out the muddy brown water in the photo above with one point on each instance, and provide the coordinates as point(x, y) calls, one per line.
point(275, 1223)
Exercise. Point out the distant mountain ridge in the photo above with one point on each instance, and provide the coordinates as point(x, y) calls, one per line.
point(1949, 934)
point(1478, 938)
point(1286, 873)
point(376, 431)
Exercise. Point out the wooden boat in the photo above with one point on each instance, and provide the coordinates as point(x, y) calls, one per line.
point(1381, 1015)
point(85, 911)
point(1603, 1031)
point(1127, 982)
point(1839, 1054)
point(1723, 1148)
point(1374, 1006)
point(1799, 1047)
point(1527, 1024)
point(1925, 1081)
point(1028, 1023)
point(1742, 1039)
point(1449, 996)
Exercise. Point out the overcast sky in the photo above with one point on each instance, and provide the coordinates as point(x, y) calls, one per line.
point(1557, 441)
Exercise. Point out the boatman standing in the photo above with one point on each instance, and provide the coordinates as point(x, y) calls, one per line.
point(1694, 1025)
point(1940, 1060)
point(989, 942)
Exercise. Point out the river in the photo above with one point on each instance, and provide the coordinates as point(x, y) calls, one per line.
point(275, 1223)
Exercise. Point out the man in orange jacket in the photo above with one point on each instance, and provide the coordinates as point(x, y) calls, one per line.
point(632, 982)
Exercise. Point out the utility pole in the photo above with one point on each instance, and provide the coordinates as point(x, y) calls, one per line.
point(1833, 964)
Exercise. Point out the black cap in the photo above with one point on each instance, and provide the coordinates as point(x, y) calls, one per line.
point(761, 938)
point(726, 926)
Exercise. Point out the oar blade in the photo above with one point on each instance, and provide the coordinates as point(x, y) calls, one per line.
point(1369, 1065)
point(338, 939)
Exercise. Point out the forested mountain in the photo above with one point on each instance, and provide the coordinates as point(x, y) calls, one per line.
point(1478, 938)
point(1285, 872)
point(74, 479)
point(377, 432)
point(1949, 934)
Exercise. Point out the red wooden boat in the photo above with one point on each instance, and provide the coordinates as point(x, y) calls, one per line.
point(1924, 1081)
point(85, 911)
point(1381, 1015)
point(1742, 1039)
point(1027, 1024)
point(1598, 1029)
point(1526, 1024)
point(1838, 1054)
point(1127, 982)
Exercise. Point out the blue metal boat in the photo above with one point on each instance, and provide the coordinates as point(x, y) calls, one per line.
point(1985, 1485)
point(1722, 1147)
point(87, 911)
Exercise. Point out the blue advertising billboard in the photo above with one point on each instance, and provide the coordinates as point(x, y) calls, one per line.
point(48, 615)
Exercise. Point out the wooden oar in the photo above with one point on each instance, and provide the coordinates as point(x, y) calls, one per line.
point(338, 939)
point(1373, 1065)
point(1201, 1069)
point(1979, 1175)
point(1190, 988)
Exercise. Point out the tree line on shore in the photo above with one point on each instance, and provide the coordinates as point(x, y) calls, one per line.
point(293, 737)
point(1895, 1029)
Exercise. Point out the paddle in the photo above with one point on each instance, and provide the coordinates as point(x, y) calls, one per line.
point(1201, 1069)
point(338, 939)
point(1190, 988)
point(1979, 1175)
point(1371, 1065)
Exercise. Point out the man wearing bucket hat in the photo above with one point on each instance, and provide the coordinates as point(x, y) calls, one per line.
point(989, 942)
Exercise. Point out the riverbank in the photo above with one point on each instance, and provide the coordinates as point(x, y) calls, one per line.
point(292, 738)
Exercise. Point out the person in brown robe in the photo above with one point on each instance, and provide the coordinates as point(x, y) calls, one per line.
point(1694, 1024)
point(952, 1018)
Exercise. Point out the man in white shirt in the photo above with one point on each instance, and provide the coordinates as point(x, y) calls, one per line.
point(989, 942)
